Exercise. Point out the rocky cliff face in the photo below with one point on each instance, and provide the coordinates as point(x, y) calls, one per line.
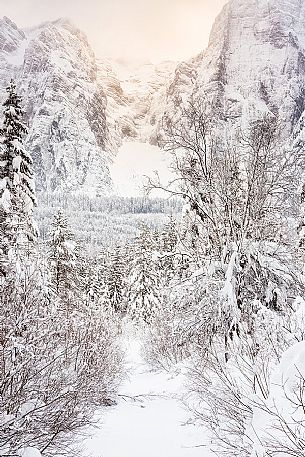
point(136, 97)
point(56, 74)
point(254, 64)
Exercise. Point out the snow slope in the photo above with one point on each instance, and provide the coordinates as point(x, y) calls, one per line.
point(149, 420)
point(134, 162)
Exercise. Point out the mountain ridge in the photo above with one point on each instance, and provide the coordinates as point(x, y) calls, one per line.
point(81, 109)
point(56, 75)
point(254, 63)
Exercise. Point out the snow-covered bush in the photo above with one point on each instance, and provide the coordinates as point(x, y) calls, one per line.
point(164, 343)
point(56, 366)
point(277, 426)
point(242, 330)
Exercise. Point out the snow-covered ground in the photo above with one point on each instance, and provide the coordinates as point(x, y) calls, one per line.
point(133, 163)
point(149, 419)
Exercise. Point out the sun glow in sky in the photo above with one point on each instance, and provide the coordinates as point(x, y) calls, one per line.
point(153, 30)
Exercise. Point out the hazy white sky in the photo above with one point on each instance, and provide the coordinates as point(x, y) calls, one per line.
point(141, 29)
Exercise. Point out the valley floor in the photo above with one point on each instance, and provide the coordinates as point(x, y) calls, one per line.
point(149, 419)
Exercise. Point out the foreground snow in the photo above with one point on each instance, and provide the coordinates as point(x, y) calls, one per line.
point(149, 420)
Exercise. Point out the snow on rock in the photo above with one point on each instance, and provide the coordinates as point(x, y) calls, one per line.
point(10, 37)
point(136, 97)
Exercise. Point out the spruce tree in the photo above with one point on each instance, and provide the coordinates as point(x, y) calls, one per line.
point(168, 244)
point(144, 297)
point(115, 280)
point(17, 195)
point(90, 279)
point(63, 258)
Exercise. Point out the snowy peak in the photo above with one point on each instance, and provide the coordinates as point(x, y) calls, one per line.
point(68, 43)
point(254, 64)
point(10, 36)
point(56, 74)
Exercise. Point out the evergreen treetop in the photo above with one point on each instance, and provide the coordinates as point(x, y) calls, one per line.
point(15, 163)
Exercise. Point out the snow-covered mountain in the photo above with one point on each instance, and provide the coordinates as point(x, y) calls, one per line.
point(136, 94)
point(254, 63)
point(56, 73)
point(81, 109)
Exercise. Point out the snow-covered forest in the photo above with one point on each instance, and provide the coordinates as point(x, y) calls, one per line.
point(169, 323)
point(117, 218)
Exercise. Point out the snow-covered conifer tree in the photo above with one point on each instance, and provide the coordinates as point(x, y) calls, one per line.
point(115, 280)
point(168, 244)
point(17, 195)
point(63, 257)
point(144, 298)
point(16, 167)
point(91, 279)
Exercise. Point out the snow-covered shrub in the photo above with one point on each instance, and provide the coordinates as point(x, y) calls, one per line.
point(164, 345)
point(56, 367)
point(253, 405)
point(277, 426)
point(221, 301)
